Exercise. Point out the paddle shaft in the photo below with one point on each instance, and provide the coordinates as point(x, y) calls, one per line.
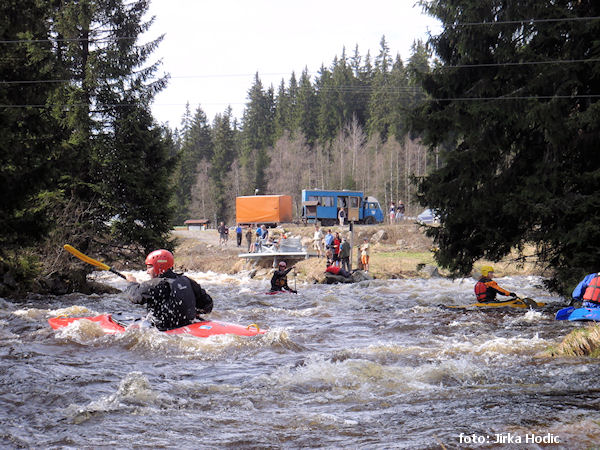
point(85, 258)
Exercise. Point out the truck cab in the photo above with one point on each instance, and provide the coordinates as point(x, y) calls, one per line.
point(372, 211)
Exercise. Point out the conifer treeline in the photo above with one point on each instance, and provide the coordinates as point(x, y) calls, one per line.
point(82, 160)
point(346, 129)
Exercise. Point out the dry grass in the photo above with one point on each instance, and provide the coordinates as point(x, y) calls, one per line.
point(580, 342)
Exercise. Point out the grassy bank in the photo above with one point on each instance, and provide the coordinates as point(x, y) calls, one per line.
point(583, 341)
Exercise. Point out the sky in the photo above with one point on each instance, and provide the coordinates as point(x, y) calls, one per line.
point(213, 49)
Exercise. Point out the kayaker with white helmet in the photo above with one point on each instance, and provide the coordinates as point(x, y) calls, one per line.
point(173, 299)
point(486, 288)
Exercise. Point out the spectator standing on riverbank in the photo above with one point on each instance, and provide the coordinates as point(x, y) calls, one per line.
point(392, 212)
point(238, 235)
point(257, 243)
point(223, 232)
point(337, 242)
point(364, 254)
point(264, 236)
point(400, 209)
point(318, 241)
point(342, 216)
point(345, 254)
point(329, 241)
point(249, 234)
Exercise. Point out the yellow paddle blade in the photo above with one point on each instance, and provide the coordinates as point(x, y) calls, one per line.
point(85, 258)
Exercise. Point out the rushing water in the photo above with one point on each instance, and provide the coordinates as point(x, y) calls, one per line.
point(371, 365)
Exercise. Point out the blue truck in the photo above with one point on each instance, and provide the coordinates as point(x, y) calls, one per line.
point(324, 206)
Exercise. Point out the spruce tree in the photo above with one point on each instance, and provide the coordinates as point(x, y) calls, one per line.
point(514, 106)
point(257, 133)
point(196, 146)
point(380, 106)
point(305, 114)
point(111, 83)
point(327, 118)
point(224, 152)
point(30, 138)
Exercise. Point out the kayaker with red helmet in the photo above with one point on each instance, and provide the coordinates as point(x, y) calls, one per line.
point(486, 288)
point(173, 299)
point(279, 279)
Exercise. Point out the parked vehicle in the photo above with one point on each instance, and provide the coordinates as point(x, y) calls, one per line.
point(427, 217)
point(269, 210)
point(324, 206)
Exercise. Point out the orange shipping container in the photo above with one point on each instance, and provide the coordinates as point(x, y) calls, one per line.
point(263, 209)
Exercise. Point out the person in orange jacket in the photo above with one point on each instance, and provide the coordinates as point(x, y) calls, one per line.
point(486, 288)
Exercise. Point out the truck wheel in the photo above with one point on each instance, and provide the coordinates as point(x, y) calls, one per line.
point(370, 220)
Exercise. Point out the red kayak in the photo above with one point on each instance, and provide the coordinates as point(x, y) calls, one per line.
point(199, 329)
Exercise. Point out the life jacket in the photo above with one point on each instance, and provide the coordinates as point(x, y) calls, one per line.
point(486, 290)
point(179, 309)
point(279, 280)
point(592, 292)
point(481, 290)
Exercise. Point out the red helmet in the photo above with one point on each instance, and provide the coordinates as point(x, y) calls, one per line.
point(160, 260)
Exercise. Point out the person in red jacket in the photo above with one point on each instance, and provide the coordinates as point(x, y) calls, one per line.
point(486, 288)
point(337, 242)
point(337, 270)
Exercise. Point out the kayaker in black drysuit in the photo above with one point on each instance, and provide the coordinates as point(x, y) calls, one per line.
point(279, 279)
point(172, 299)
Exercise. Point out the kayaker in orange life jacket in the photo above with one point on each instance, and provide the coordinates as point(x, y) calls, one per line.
point(486, 288)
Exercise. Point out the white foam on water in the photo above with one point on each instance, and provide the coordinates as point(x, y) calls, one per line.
point(82, 331)
point(134, 390)
point(34, 314)
point(72, 311)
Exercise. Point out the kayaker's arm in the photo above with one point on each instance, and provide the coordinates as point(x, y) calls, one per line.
point(581, 287)
point(492, 284)
point(204, 302)
point(140, 292)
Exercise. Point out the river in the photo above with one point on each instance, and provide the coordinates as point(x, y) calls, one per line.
point(372, 365)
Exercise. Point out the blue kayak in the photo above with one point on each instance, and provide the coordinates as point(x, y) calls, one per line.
point(579, 314)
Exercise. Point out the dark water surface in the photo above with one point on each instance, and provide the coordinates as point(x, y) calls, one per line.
point(373, 365)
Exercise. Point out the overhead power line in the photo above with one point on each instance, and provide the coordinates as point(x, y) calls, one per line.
point(523, 21)
point(457, 99)
point(465, 24)
point(52, 40)
point(522, 63)
point(231, 75)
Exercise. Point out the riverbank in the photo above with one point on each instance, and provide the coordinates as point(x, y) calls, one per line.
point(397, 251)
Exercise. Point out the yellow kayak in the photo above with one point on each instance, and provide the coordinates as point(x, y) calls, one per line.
point(512, 303)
